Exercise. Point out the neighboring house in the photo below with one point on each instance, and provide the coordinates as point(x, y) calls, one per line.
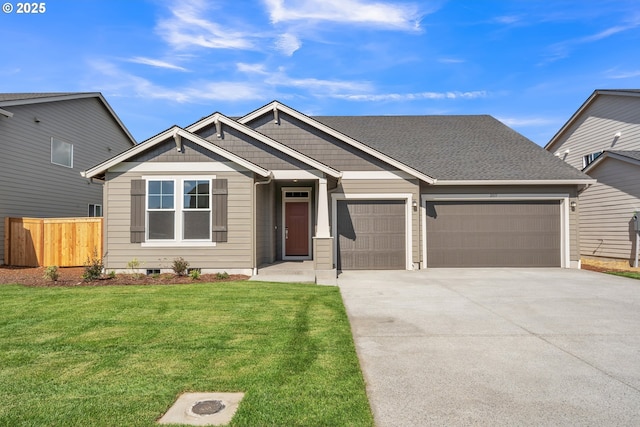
point(46, 140)
point(388, 192)
point(603, 140)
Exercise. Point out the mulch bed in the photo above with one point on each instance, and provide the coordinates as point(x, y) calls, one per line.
point(72, 276)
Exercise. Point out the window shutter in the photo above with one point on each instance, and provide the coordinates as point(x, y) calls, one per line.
point(219, 210)
point(138, 193)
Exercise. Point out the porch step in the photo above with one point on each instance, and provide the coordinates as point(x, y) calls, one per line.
point(287, 272)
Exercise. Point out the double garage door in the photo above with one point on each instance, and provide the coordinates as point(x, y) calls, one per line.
point(494, 234)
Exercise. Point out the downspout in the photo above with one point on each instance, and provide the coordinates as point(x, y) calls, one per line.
point(255, 216)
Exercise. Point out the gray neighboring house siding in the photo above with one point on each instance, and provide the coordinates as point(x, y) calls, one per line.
point(32, 186)
point(608, 121)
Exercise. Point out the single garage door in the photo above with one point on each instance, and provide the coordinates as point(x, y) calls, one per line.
point(494, 234)
point(371, 235)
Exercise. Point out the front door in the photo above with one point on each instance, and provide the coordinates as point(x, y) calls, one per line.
point(296, 229)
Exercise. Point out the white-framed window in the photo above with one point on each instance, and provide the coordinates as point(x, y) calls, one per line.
point(178, 210)
point(589, 158)
point(61, 153)
point(94, 210)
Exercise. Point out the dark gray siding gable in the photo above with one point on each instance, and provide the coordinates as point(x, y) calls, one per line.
point(316, 144)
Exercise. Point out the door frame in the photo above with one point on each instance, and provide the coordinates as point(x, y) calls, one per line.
point(406, 197)
point(564, 198)
point(286, 199)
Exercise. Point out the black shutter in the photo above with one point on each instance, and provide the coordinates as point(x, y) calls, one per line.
point(138, 193)
point(219, 210)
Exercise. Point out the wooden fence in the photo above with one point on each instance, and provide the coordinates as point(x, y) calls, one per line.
point(42, 242)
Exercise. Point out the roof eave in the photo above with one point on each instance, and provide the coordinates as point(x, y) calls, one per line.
point(330, 131)
point(516, 182)
point(102, 168)
point(583, 107)
point(606, 155)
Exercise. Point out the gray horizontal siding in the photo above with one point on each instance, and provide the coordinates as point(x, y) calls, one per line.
point(250, 149)
point(31, 184)
point(315, 144)
point(606, 209)
point(167, 152)
point(595, 129)
point(234, 254)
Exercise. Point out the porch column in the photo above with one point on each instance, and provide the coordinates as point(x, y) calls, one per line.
point(323, 210)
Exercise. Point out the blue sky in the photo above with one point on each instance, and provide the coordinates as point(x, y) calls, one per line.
point(530, 64)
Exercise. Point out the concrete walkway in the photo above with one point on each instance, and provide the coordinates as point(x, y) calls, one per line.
point(497, 346)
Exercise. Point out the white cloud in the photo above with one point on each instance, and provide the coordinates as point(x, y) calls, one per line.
point(413, 96)
point(118, 82)
point(623, 74)
point(287, 44)
point(156, 63)
point(378, 14)
point(526, 121)
point(510, 19)
point(187, 27)
point(251, 68)
point(451, 61)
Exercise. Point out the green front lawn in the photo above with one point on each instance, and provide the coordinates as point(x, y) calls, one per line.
point(121, 355)
point(629, 274)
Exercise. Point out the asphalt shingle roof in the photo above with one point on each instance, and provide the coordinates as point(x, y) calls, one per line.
point(475, 147)
point(632, 154)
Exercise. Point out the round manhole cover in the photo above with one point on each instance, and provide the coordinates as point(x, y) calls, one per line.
point(207, 407)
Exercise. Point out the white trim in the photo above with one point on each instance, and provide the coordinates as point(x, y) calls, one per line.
point(332, 132)
point(565, 235)
point(188, 167)
point(296, 174)
point(583, 108)
point(605, 155)
point(284, 224)
point(517, 182)
point(355, 175)
point(407, 197)
point(6, 113)
point(178, 209)
point(53, 138)
point(164, 136)
point(217, 117)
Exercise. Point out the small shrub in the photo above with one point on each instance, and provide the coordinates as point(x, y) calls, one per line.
point(180, 266)
point(194, 274)
point(222, 276)
point(93, 268)
point(51, 273)
point(134, 264)
point(112, 274)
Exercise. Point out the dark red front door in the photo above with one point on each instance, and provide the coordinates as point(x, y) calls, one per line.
point(296, 232)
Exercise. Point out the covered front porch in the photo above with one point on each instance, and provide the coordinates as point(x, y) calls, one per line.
point(292, 227)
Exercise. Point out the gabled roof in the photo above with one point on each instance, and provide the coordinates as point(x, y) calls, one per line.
point(275, 106)
point(207, 121)
point(98, 171)
point(14, 99)
point(632, 157)
point(596, 93)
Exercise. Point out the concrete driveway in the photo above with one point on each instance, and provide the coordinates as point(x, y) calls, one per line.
point(497, 346)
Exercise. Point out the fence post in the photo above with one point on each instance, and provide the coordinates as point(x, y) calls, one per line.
point(7, 239)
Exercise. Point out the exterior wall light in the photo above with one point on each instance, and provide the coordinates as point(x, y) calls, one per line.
point(573, 205)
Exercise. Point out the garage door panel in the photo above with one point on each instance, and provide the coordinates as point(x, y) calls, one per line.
point(371, 234)
point(493, 234)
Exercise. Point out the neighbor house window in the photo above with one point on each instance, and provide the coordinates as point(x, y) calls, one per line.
point(589, 158)
point(95, 210)
point(179, 210)
point(61, 153)
point(161, 210)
